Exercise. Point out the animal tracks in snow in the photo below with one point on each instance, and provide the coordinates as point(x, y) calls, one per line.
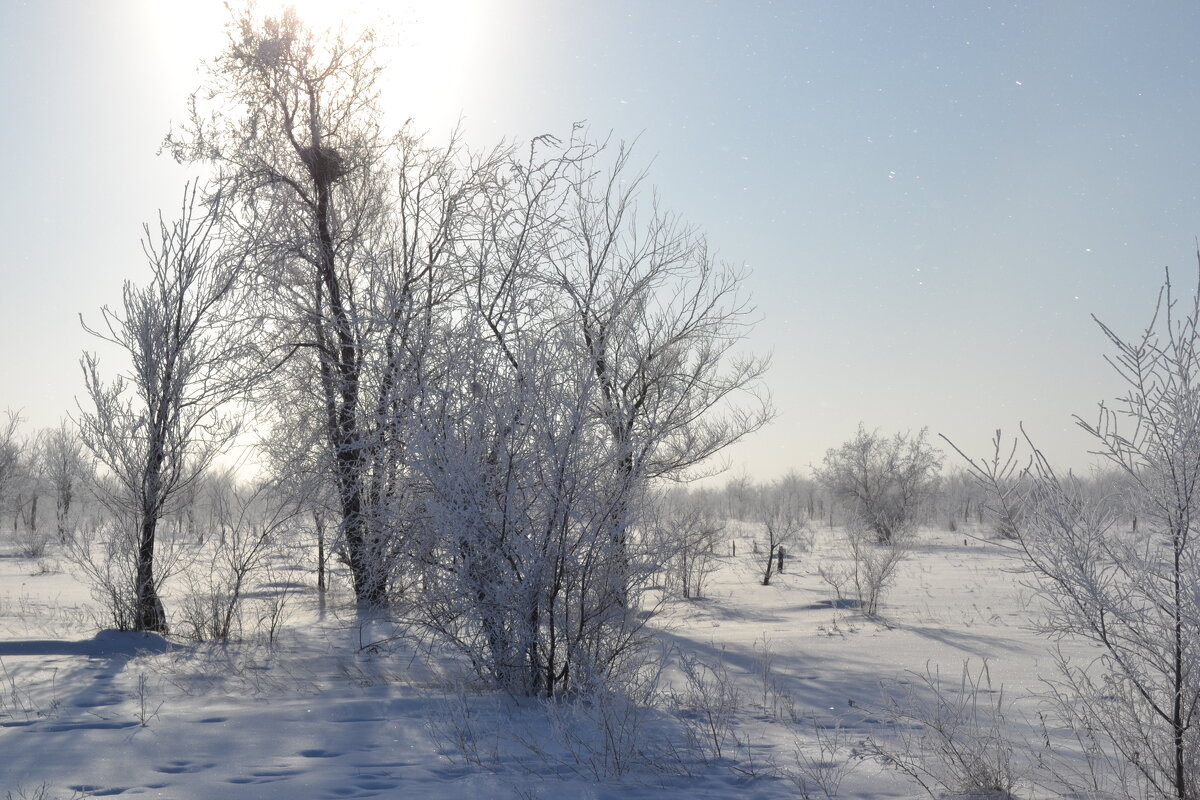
point(319, 753)
point(180, 767)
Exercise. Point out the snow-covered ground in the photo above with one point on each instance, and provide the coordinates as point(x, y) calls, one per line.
point(321, 713)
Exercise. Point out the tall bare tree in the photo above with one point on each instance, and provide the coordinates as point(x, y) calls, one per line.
point(658, 321)
point(353, 235)
point(157, 428)
point(660, 318)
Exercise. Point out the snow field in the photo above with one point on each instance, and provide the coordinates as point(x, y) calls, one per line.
point(761, 691)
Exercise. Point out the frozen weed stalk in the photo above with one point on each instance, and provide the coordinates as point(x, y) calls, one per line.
point(821, 764)
point(955, 740)
point(145, 714)
point(708, 705)
point(776, 701)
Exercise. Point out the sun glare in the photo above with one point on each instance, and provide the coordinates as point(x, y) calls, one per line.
point(434, 39)
point(319, 15)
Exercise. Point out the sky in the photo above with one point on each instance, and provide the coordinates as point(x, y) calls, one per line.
point(933, 198)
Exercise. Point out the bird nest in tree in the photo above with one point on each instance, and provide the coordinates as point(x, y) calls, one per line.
point(273, 51)
point(324, 163)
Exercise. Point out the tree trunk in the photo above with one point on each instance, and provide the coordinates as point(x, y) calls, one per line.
point(148, 611)
point(62, 511)
point(319, 522)
point(340, 377)
point(1178, 724)
point(766, 581)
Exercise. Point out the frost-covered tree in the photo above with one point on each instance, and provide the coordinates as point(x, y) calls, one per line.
point(661, 319)
point(573, 379)
point(497, 351)
point(1132, 591)
point(686, 530)
point(352, 233)
point(65, 467)
point(883, 482)
point(10, 456)
point(21, 485)
point(155, 429)
point(781, 511)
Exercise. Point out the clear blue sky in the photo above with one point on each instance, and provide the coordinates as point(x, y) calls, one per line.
point(933, 198)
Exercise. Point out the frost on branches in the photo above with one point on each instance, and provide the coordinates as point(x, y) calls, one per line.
point(479, 360)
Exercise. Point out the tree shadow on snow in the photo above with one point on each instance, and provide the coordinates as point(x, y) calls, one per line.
point(982, 645)
point(114, 645)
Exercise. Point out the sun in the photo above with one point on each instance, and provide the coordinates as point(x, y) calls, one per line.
point(437, 40)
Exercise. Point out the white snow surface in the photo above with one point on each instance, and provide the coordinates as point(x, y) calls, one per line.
point(337, 709)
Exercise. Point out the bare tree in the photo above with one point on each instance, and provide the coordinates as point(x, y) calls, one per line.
point(21, 486)
point(156, 429)
point(781, 512)
point(883, 482)
point(65, 467)
point(355, 232)
point(30, 485)
point(740, 494)
point(686, 528)
point(10, 456)
point(960, 500)
point(1131, 592)
point(659, 317)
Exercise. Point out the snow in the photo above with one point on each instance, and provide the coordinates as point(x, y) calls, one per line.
point(316, 714)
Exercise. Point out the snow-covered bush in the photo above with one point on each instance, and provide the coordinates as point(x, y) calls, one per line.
point(874, 567)
point(31, 542)
point(532, 567)
point(254, 518)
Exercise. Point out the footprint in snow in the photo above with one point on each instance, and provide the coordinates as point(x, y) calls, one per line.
point(267, 776)
point(99, 725)
point(182, 767)
point(98, 791)
point(99, 700)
